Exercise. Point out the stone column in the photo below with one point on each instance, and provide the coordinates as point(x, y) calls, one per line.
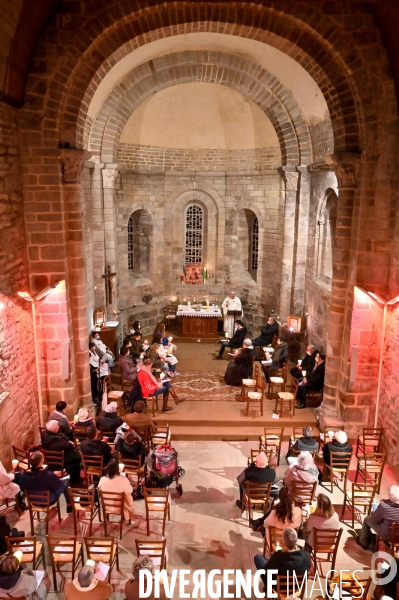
point(345, 166)
point(109, 174)
point(290, 178)
point(72, 161)
point(301, 240)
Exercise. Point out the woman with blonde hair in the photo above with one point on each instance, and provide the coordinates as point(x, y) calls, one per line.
point(324, 517)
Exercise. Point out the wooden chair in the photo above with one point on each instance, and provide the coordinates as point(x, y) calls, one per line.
point(279, 378)
point(79, 434)
point(39, 502)
point(371, 466)
point(134, 469)
point(256, 372)
point(157, 500)
point(295, 453)
point(144, 431)
point(170, 314)
point(32, 550)
point(273, 536)
point(339, 463)
point(327, 428)
point(285, 585)
point(285, 401)
point(10, 503)
point(93, 467)
point(156, 550)
point(254, 454)
point(107, 384)
point(105, 550)
point(246, 386)
point(297, 433)
point(325, 541)
point(55, 460)
point(314, 398)
point(154, 403)
point(109, 433)
point(355, 588)
point(64, 550)
point(272, 438)
point(255, 494)
point(161, 436)
point(303, 493)
point(23, 456)
point(84, 501)
point(113, 503)
point(361, 497)
point(393, 545)
point(370, 439)
point(255, 398)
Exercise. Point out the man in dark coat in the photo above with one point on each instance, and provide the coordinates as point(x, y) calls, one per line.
point(313, 382)
point(267, 333)
point(307, 363)
point(339, 443)
point(258, 472)
point(236, 341)
point(305, 443)
point(241, 367)
point(109, 419)
point(54, 439)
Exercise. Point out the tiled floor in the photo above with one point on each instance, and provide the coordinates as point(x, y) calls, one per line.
point(207, 530)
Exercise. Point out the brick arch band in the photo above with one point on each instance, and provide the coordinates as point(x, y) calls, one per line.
point(249, 79)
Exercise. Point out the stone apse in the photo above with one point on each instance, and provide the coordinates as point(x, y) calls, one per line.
point(295, 163)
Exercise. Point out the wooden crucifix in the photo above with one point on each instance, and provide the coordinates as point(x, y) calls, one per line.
point(109, 280)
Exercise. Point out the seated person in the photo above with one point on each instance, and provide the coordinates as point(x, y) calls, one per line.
point(267, 333)
point(61, 418)
point(304, 471)
point(291, 558)
point(40, 479)
point(54, 439)
point(313, 382)
point(115, 482)
point(137, 347)
point(83, 419)
point(6, 531)
point(136, 327)
point(381, 519)
point(279, 357)
point(284, 514)
point(8, 489)
point(130, 445)
point(307, 363)
point(18, 582)
point(109, 419)
point(258, 472)
point(102, 350)
point(139, 418)
point(242, 365)
point(151, 387)
point(127, 366)
point(154, 355)
point(132, 585)
point(236, 341)
point(306, 442)
point(86, 587)
point(339, 443)
point(94, 446)
point(324, 517)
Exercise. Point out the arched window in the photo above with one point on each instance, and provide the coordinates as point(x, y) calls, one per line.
point(130, 244)
point(194, 234)
point(255, 245)
point(326, 223)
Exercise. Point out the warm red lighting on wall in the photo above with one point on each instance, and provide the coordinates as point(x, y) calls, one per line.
point(375, 296)
point(40, 295)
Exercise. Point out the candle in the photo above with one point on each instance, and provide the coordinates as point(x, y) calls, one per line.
point(121, 467)
point(182, 278)
point(189, 303)
point(18, 555)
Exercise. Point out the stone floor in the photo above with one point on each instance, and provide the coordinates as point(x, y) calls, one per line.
point(207, 530)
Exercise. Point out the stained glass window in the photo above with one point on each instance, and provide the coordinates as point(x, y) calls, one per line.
point(130, 242)
point(194, 234)
point(255, 245)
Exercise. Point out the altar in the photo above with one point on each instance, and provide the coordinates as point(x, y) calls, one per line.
point(199, 323)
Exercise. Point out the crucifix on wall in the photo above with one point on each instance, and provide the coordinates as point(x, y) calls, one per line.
point(110, 283)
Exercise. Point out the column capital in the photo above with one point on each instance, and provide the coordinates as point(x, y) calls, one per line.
point(72, 161)
point(345, 166)
point(110, 172)
point(303, 169)
point(290, 176)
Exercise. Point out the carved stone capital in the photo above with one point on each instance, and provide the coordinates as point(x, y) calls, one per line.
point(345, 166)
point(72, 161)
point(319, 167)
point(290, 176)
point(110, 173)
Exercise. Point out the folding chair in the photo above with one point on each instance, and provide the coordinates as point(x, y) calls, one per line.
point(93, 467)
point(105, 550)
point(361, 497)
point(84, 501)
point(256, 494)
point(55, 461)
point(113, 503)
point(272, 438)
point(369, 440)
point(325, 541)
point(39, 502)
point(32, 550)
point(157, 500)
point(285, 401)
point(339, 463)
point(64, 550)
point(371, 466)
point(156, 550)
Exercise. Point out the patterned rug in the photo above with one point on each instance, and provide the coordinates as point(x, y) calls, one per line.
point(197, 385)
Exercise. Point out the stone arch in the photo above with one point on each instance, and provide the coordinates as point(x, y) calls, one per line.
point(243, 216)
point(220, 68)
point(324, 247)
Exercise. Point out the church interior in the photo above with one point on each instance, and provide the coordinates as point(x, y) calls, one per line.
point(161, 162)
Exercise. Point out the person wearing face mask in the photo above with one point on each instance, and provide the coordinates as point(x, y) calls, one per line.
point(267, 333)
point(307, 363)
point(313, 382)
point(102, 350)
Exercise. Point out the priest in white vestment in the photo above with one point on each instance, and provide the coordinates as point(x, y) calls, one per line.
point(231, 303)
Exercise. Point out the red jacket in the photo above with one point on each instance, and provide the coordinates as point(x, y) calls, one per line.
point(148, 387)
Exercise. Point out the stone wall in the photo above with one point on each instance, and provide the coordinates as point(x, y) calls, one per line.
point(19, 410)
point(133, 156)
